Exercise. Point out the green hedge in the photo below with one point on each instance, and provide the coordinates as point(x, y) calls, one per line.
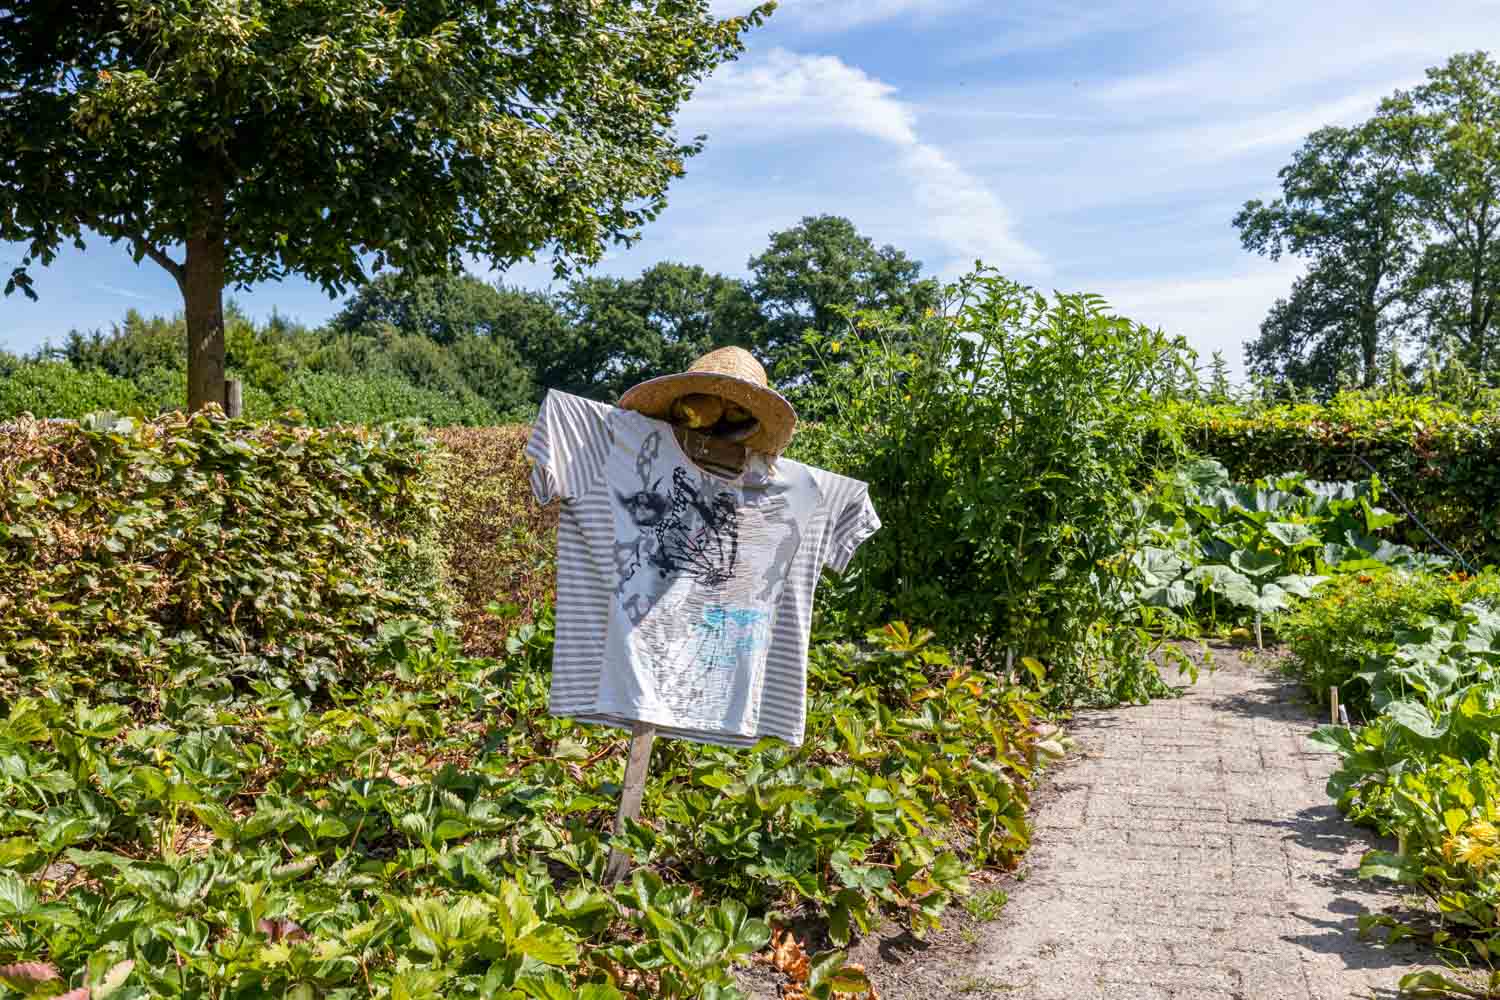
point(1441, 461)
point(500, 544)
point(201, 550)
point(57, 389)
point(330, 398)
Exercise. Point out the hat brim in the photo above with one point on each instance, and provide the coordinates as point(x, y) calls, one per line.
point(778, 420)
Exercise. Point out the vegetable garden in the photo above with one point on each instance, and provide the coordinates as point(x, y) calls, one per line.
point(273, 696)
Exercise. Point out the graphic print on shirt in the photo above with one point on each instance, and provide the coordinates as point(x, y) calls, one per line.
point(692, 533)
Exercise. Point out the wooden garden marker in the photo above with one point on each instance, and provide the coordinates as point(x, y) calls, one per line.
point(234, 398)
point(641, 736)
point(1333, 704)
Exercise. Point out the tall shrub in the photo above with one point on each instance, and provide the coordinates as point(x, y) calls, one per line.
point(1001, 439)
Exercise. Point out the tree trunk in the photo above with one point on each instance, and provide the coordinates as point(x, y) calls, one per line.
point(1369, 332)
point(1369, 349)
point(203, 294)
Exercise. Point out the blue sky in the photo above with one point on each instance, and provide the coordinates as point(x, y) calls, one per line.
point(1100, 146)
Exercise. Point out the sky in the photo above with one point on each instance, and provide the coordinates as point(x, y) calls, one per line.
point(1081, 146)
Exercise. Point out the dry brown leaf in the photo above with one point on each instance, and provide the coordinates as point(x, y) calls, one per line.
point(789, 957)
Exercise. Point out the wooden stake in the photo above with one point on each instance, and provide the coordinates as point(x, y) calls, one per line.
point(641, 736)
point(234, 398)
point(1259, 642)
point(1333, 704)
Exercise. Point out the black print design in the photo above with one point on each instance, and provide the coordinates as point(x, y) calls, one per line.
point(685, 531)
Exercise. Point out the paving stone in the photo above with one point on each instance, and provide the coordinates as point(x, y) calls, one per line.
point(1192, 853)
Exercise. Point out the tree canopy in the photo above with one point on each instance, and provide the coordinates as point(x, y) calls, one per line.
point(1344, 207)
point(330, 138)
point(822, 265)
point(1398, 219)
point(1447, 132)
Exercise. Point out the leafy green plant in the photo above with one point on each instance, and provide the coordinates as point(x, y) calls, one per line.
point(1353, 622)
point(421, 826)
point(1002, 438)
point(1440, 458)
point(1421, 771)
point(1207, 543)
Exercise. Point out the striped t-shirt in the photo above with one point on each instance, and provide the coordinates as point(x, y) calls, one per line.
point(684, 598)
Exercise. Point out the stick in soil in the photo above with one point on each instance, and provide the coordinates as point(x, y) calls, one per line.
point(641, 736)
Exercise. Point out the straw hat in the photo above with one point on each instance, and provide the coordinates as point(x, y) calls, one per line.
point(733, 374)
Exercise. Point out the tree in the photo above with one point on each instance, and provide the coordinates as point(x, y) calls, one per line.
point(1447, 134)
point(823, 264)
point(1312, 339)
point(1345, 208)
point(441, 307)
point(620, 331)
point(325, 139)
point(446, 333)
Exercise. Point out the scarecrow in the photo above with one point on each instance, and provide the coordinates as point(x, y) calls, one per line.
point(688, 552)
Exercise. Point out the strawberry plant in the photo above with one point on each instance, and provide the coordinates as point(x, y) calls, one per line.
point(425, 829)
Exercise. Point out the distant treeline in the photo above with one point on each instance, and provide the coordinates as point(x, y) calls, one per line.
point(453, 349)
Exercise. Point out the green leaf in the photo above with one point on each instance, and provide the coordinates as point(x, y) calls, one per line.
point(1254, 563)
point(1035, 668)
point(1292, 535)
point(16, 897)
point(1415, 719)
point(548, 944)
point(112, 980)
point(1380, 864)
point(824, 967)
point(16, 849)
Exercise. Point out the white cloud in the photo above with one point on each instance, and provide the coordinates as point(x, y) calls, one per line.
point(1215, 312)
point(1263, 51)
point(785, 95)
point(122, 292)
point(836, 15)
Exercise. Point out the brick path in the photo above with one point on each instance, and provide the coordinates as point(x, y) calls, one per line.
point(1192, 854)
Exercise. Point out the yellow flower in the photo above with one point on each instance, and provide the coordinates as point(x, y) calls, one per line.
point(1477, 855)
point(1483, 830)
point(834, 347)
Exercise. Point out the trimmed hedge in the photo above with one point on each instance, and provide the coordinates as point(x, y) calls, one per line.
point(1441, 461)
point(499, 543)
point(57, 389)
point(191, 551)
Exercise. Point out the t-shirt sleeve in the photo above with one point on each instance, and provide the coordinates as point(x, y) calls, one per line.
point(853, 522)
point(568, 446)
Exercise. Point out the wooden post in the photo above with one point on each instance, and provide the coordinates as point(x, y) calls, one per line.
point(641, 736)
point(234, 398)
point(1333, 704)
